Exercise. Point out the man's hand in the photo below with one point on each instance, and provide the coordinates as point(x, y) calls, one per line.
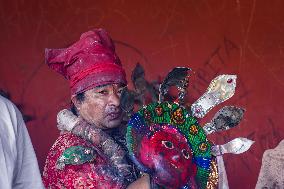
point(141, 183)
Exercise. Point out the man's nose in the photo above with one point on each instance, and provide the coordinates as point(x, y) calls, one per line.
point(114, 99)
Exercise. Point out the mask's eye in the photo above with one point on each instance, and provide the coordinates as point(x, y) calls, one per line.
point(168, 144)
point(185, 154)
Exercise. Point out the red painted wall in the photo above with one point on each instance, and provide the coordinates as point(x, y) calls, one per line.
point(243, 37)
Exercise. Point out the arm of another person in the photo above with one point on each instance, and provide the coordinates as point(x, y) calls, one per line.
point(26, 174)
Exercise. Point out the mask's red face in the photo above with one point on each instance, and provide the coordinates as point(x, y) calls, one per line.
point(168, 154)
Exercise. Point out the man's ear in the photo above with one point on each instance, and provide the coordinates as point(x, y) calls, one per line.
point(77, 103)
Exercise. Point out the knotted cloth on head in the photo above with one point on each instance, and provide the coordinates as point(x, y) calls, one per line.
point(88, 63)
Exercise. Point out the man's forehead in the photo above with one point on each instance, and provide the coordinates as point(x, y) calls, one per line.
point(110, 85)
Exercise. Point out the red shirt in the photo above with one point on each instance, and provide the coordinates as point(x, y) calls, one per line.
point(81, 176)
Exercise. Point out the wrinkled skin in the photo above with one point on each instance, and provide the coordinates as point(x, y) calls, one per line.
point(169, 156)
point(101, 106)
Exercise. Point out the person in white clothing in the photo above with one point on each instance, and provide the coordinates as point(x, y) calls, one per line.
point(271, 173)
point(18, 163)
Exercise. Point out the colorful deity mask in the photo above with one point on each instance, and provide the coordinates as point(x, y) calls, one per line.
point(165, 140)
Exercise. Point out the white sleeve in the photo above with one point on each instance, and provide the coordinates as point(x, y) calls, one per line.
point(26, 172)
point(18, 163)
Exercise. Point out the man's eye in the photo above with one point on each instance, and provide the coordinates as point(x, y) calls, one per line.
point(119, 91)
point(103, 92)
point(168, 144)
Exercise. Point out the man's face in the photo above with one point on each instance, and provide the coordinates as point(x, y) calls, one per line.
point(101, 106)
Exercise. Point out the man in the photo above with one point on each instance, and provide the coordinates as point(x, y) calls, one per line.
point(92, 155)
point(18, 163)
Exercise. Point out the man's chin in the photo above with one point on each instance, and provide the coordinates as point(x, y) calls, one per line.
point(112, 124)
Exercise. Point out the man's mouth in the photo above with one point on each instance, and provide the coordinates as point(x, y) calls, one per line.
point(113, 115)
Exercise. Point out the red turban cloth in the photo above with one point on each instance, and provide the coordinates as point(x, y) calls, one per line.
point(88, 63)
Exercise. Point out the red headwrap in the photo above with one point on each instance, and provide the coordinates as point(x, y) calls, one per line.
point(88, 63)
